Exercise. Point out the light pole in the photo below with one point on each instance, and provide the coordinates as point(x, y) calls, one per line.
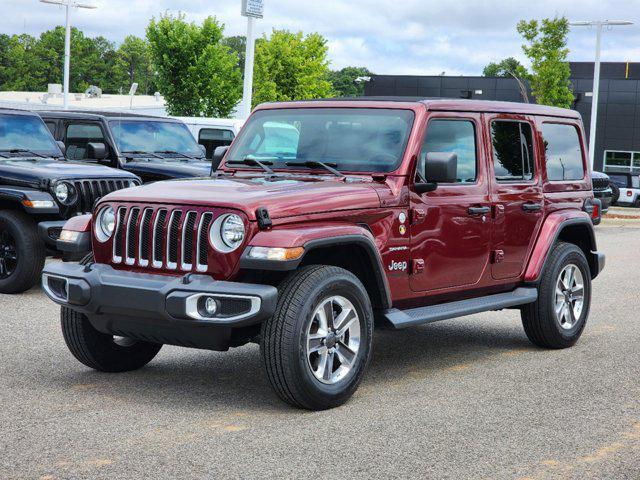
point(599, 24)
point(68, 4)
point(251, 9)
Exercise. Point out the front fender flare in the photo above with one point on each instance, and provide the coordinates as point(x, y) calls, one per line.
point(20, 195)
point(313, 238)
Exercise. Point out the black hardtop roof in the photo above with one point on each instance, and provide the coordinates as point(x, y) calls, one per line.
point(16, 111)
point(97, 115)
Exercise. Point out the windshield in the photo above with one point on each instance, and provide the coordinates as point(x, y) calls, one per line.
point(151, 136)
point(351, 139)
point(27, 132)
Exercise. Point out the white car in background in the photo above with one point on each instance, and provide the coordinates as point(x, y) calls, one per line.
point(213, 132)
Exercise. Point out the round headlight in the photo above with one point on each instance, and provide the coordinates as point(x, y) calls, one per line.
point(62, 192)
point(105, 224)
point(132, 184)
point(227, 233)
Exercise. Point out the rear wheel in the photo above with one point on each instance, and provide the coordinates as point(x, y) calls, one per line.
point(615, 190)
point(317, 345)
point(22, 253)
point(558, 317)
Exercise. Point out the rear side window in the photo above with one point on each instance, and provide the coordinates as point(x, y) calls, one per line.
point(563, 152)
point(513, 158)
point(452, 136)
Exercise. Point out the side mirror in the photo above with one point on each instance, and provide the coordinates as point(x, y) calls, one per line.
point(218, 155)
point(203, 149)
point(440, 167)
point(97, 151)
point(62, 146)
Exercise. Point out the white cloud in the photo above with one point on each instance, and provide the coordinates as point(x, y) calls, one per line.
point(401, 37)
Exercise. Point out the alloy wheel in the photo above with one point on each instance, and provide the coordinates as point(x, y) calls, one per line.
point(569, 296)
point(8, 254)
point(332, 339)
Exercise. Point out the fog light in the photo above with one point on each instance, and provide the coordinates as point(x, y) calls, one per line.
point(68, 236)
point(210, 306)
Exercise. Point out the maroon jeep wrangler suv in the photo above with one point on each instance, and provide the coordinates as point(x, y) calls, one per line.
point(328, 218)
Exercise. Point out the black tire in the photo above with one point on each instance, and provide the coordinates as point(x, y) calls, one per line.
point(615, 190)
point(540, 321)
point(283, 347)
point(21, 231)
point(101, 351)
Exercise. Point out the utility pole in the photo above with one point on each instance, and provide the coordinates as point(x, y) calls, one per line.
point(68, 4)
point(599, 24)
point(251, 9)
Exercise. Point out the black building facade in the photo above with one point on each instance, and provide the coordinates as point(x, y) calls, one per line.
point(618, 131)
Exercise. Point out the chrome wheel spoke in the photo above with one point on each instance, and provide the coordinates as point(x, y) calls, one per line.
point(569, 296)
point(345, 355)
point(345, 320)
point(315, 343)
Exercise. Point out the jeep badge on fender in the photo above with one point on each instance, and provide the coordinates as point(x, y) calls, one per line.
point(303, 238)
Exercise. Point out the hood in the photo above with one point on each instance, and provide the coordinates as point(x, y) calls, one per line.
point(162, 170)
point(34, 171)
point(282, 197)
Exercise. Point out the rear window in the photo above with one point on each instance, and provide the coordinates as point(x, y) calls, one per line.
point(563, 152)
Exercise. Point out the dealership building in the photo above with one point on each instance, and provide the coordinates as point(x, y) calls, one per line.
point(618, 134)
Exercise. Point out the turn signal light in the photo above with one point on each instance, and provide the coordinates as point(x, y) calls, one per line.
point(276, 254)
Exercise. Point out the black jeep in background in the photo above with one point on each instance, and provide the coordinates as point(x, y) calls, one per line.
point(153, 148)
point(39, 191)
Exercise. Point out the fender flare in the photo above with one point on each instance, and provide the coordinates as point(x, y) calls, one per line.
point(546, 239)
point(18, 195)
point(363, 240)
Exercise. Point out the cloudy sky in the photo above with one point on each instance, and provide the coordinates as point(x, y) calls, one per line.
point(390, 37)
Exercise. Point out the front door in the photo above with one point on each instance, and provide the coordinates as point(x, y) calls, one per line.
point(517, 200)
point(451, 226)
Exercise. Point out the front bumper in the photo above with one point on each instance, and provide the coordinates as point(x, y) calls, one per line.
point(159, 308)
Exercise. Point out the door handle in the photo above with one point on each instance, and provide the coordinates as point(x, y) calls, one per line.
point(479, 210)
point(531, 207)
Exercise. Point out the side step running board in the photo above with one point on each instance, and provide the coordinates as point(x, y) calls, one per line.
point(444, 311)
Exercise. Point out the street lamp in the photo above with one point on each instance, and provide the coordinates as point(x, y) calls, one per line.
point(68, 4)
point(596, 76)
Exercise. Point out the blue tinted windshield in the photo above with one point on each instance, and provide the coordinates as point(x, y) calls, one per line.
point(352, 139)
point(26, 132)
point(154, 136)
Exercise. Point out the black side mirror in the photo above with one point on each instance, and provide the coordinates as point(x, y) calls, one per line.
point(218, 155)
point(440, 167)
point(62, 146)
point(97, 151)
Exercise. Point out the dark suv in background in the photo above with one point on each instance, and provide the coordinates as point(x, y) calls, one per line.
point(152, 148)
point(39, 191)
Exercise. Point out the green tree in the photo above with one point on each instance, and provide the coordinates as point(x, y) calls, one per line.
point(238, 46)
point(546, 47)
point(20, 69)
point(196, 73)
point(290, 66)
point(133, 65)
point(508, 67)
point(344, 81)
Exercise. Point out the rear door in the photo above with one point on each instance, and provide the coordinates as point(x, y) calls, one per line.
point(516, 197)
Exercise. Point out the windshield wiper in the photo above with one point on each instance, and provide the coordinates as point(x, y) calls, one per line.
point(141, 152)
point(25, 150)
point(314, 163)
point(173, 152)
point(252, 162)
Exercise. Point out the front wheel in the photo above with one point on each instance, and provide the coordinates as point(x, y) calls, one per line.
point(22, 253)
point(558, 317)
point(101, 351)
point(317, 345)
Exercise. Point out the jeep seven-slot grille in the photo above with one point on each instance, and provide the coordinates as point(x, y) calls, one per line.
point(162, 238)
point(90, 191)
point(600, 183)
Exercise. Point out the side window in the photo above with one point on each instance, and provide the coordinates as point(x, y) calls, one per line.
point(212, 138)
point(78, 136)
point(513, 157)
point(52, 127)
point(452, 136)
point(563, 152)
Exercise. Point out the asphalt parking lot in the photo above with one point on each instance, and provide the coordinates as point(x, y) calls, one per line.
point(463, 399)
